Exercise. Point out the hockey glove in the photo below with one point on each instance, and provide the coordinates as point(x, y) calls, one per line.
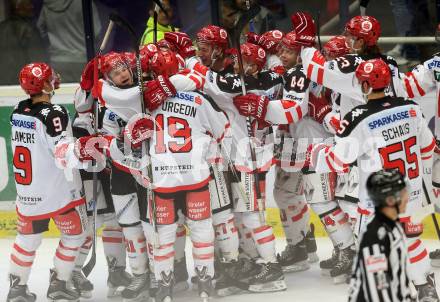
point(146, 52)
point(252, 105)
point(304, 27)
point(318, 107)
point(279, 70)
point(252, 38)
point(138, 131)
point(91, 147)
point(86, 82)
point(268, 41)
point(182, 42)
point(157, 91)
point(312, 155)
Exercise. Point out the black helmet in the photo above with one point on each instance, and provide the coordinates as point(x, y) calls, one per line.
point(384, 183)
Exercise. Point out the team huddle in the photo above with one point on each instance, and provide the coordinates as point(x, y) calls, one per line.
point(180, 140)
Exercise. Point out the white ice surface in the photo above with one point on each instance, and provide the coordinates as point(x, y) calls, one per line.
point(304, 286)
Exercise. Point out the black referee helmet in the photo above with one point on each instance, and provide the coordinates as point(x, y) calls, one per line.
point(385, 183)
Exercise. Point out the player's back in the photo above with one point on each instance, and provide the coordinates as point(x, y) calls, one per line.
point(43, 186)
point(390, 133)
point(185, 126)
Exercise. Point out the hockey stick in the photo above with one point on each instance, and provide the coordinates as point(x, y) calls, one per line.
point(146, 145)
point(159, 4)
point(318, 28)
point(244, 19)
point(87, 269)
point(156, 8)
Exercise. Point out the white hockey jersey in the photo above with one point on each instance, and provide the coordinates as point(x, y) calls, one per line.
point(185, 126)
point(384, 133)
point(45, 167)
point(339, 75)
point(423, 79)
point(223, 88)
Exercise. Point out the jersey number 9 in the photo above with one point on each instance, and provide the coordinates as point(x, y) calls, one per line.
point(23, 161)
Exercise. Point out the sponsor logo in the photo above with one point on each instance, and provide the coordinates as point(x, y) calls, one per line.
point(111, 116)
point(356, 113)
point(223, 34)
point(277, 34)
point(261, 53)
point(23, 124)
point(366, 25)
point(434, 64)
point(37, 72)
point(185, 96)
point(389, 119)
point(368, 67)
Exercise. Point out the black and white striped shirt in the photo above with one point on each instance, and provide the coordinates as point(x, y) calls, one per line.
point(380, 268)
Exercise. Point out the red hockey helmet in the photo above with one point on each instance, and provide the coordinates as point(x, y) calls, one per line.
point(214, 35)
point(291, 42)
point(254, 54)
point(165, 44)
point(146, 52)
point(165, 63)
point(335, 47)
point(364, 27)
point(375, 72)
point(33, 76)
point(270, 40)
point(113, 61)
point(130, 58)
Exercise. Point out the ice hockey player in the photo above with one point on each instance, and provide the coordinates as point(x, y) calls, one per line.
point(381, 265)
point(112, 236)
point(48, 185)
point(297, 102)
point(185, 126)
point(398, 138)
point(270, 42)
point(334, 48)
point(222, 87)
point(124, 190)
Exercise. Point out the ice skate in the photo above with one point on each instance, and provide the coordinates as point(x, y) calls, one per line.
point(270, 279)
point(154, 286)
point(180, 276)
point(328, 264)
point(118, 279)
point(19, 293)
point(427, 291)
point(294, 258)
point(204, 283)
point(435, 258)
point(137, 290)
point(342, 269)
point(82, 284)
point(311, 244)
point(164, 291)
point(60, 290)
point(226, 285)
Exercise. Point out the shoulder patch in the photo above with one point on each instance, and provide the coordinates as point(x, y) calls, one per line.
point(55, 118)
point(348, 63)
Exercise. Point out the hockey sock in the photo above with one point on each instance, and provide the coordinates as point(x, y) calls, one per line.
point(136, 247)
point(83, 253)
point(179, 245)
point(226, 234)
point(419, 266)
point(247, 243)
point(335, 222)
point(294, 215)
point(202, 237)
point(262, 235)
point(164, 253)
point(113, 242)
point(65, 255)
point(23, 255)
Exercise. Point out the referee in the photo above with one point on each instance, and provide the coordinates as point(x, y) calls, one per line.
point(380, 272)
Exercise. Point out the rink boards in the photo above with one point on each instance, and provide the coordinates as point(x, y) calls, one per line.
point(11, 95)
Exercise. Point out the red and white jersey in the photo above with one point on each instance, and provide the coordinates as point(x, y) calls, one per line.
point(185, 126)
point(339, 75)
point(423, 79)
point(384, 133)
point(46, 177)
point(222, 88)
